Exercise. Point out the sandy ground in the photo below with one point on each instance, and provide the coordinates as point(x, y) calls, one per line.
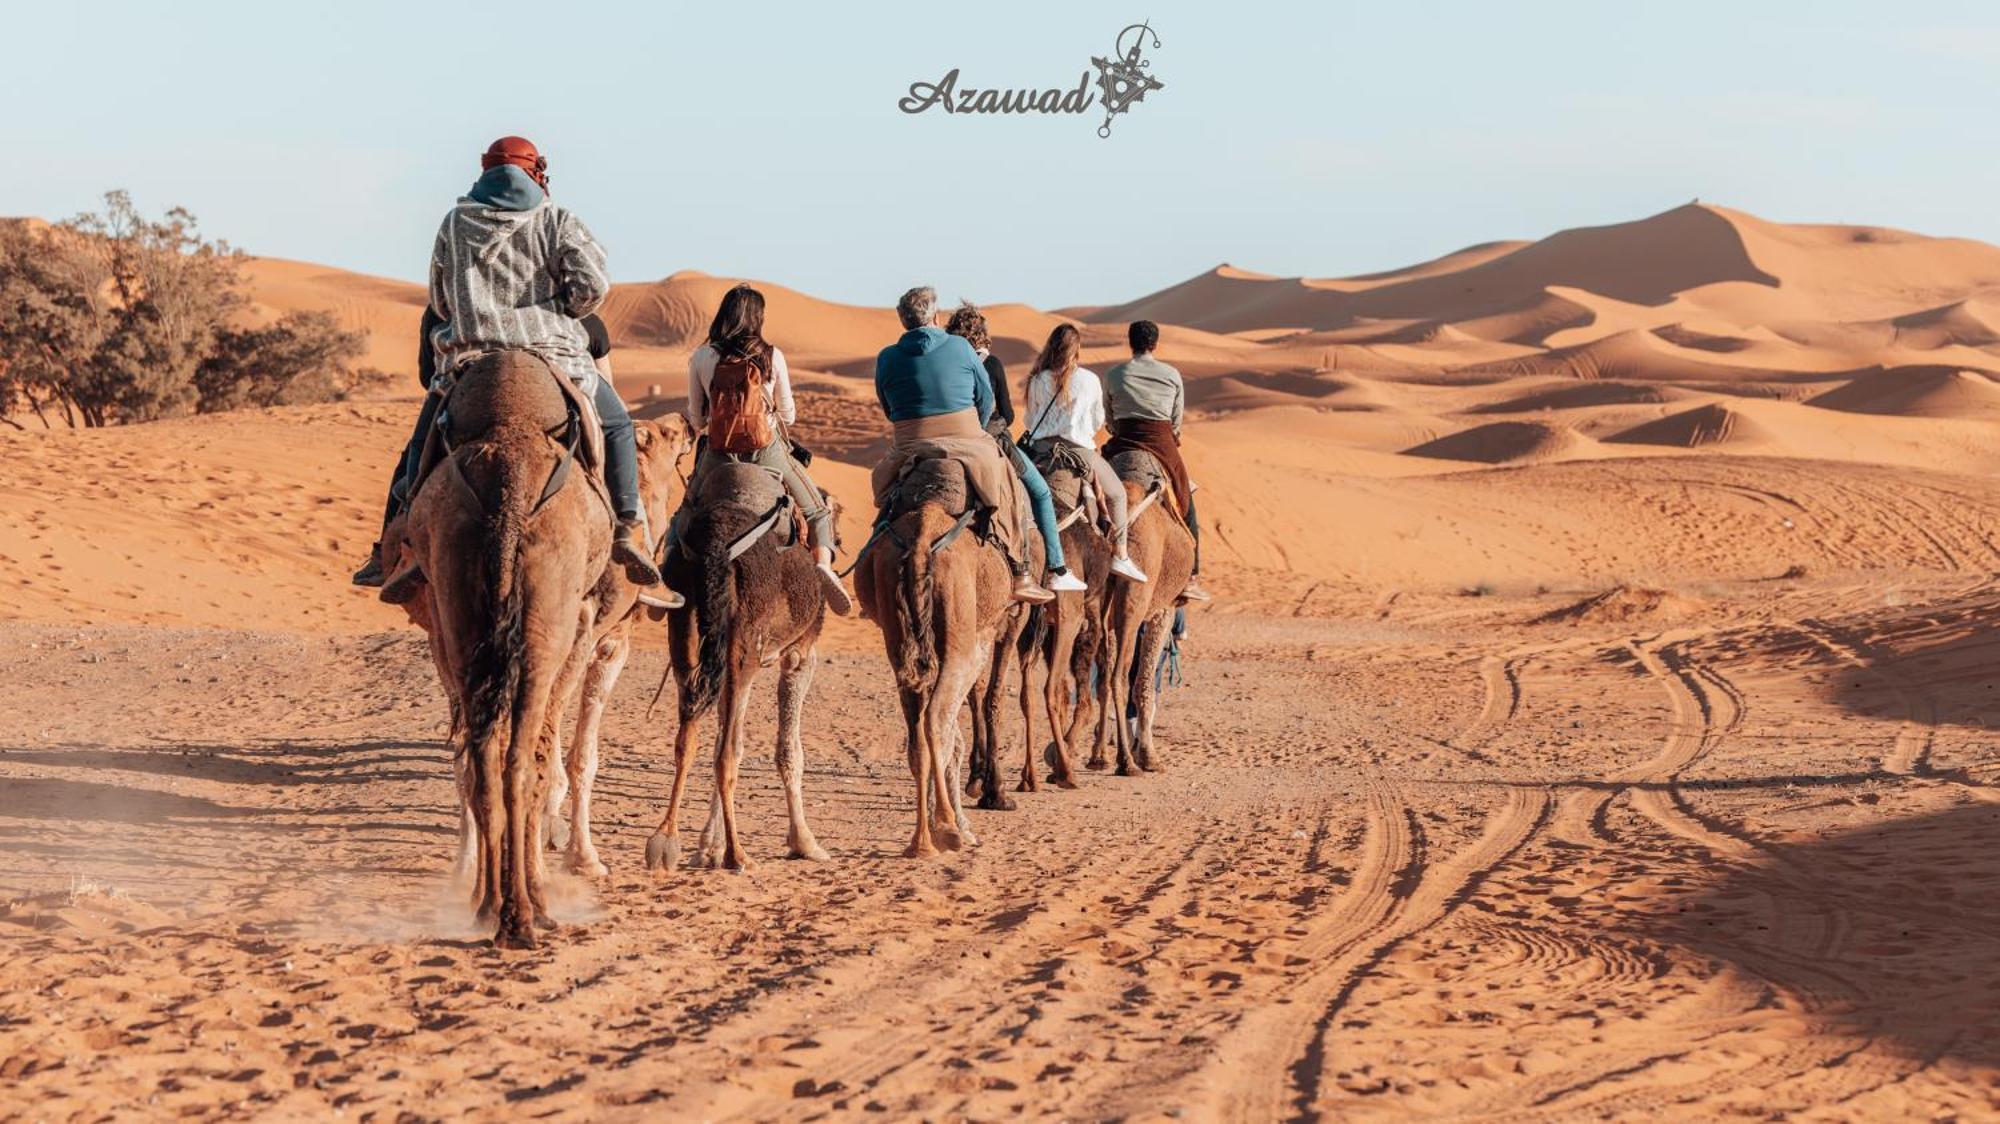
point(1742, 864)
point(1597, 721)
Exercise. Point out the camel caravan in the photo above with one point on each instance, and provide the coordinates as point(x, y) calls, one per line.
point(533, 525)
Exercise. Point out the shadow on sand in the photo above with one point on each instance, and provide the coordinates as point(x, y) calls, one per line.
point(1914, 905)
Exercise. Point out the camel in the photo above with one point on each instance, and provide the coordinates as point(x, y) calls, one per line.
point(940, 597)
point(1160, 543)
point(1062, 636)
point(662, 443)
point(754, 599)
point(511, 541)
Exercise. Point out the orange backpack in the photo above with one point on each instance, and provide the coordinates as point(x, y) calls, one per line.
point(739, 404)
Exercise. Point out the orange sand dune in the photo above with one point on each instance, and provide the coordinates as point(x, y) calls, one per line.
point(1922, 392)
point(1509, 442)
point(388, 310)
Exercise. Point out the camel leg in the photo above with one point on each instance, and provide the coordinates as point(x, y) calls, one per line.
point(1115, 677)
point(955, 764)
point(985, 763)
point(1059, 654)
point(606, 663)
point(975, 777)
point(663, 849)
point(941, 731)
point(729, 757)
point(1145, 697)
point(915, 720)
point(465, 870)
point(795, 678)
point(1025, 665)
point(555, 827)
point(542, 717)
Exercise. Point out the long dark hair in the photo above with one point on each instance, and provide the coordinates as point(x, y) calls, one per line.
point(738, 327)
point(1058, 358)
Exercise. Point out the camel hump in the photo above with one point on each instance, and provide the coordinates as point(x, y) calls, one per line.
point(517, 388)
point(934, 481)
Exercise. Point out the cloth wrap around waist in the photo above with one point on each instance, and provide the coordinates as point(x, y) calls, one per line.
point(958, 436)
point(1156, 437)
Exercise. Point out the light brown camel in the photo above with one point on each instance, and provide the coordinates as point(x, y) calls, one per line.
point(1063, 637)
point(939, 595)
point(1161, 545)
point(511, 537)
point(754, 598)
point(661, 444)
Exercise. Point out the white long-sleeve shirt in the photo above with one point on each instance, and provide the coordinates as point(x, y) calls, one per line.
point(701, 370)
point(1074, 418)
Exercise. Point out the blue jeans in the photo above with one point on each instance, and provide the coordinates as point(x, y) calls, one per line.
point(1042, 501)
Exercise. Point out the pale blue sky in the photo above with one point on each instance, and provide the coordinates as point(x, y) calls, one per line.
point(763, 140)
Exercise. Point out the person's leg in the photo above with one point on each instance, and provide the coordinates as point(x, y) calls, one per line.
point(401, 484)
point(1042, 503)
point(1117, 506)
point(819, 519)
point(630, 545)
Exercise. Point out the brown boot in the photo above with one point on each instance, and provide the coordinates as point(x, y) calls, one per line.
point(1026, 591)
point(630, 550)
point(1193, 592)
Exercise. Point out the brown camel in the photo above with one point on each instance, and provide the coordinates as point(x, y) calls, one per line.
point(1063, 637)
point(1160, 543)
point(940, 596)
point(754, 598)
point(512, 540)
point(662, 443)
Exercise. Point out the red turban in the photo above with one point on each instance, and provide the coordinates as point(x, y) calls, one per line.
point(520, 152)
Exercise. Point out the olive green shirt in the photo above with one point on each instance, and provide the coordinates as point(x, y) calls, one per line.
point(1146, 389)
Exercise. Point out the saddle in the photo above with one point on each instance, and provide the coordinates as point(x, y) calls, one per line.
point(728, 483)
point(1140, 467)
point(938, 480)
point(582, 432)
point(1070, 478)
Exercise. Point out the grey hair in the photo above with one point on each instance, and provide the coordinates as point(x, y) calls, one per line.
point(918, 307)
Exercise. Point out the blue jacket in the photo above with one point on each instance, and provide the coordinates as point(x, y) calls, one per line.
point(927, 373)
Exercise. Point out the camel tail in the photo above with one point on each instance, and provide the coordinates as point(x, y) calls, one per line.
point(493, 674)
point(916, 604)
point(714, 616)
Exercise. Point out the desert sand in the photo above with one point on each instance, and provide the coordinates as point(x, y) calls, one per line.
point(1596, 720)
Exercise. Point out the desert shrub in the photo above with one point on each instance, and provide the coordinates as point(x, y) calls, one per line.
point(114, 317)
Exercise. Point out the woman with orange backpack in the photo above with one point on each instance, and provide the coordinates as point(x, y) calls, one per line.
point(740, 401)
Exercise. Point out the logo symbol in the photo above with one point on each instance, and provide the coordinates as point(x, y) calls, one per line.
point(1122, 80)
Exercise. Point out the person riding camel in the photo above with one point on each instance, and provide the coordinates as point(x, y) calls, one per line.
point(935, 393)
point(1148, 403)
point(512, 270)
point(740, 401)
point(1067, 404)
point(969, 324)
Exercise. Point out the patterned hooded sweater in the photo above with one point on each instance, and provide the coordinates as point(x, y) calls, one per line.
point(510, 269)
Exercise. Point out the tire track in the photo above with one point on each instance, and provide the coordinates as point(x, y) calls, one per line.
point(1279, 1055)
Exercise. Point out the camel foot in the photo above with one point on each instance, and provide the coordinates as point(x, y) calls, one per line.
point(737, 864)
point(1028, 784)
point(663, 852)
point(555, 833)
point(546, 923)
point(1063, 780)
point(515, 933)
point(995, 801)
point(590, 866)
point(1125, 769)
point(919, 851)
point(947, 837)
point(808, 849)
point(1095, 764)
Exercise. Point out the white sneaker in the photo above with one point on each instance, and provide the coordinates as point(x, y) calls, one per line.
point(1127, 569)
point(1066, 582)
